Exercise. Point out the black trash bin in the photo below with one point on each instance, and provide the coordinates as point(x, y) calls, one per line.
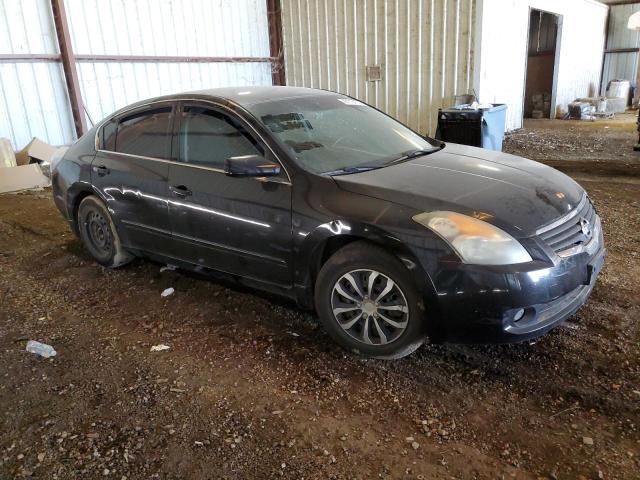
point(482, 127)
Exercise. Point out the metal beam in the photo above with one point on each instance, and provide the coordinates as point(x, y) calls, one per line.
point(621, 2)
point(80, 58)
point(170, 59)
point(29, 57)
point(69, 66)
point(274, 16)
point(622, 50)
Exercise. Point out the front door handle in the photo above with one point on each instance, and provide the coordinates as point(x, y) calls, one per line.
point(180, 191)
point(101, 170)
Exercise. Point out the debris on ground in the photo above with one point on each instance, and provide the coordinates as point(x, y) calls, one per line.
point(160, 348)
point(29, 168)
point(41, 349)
point(589, 146)
point(581, 111)
point(168, 268)
point(167, 291)
point(23, 177)
point(36, 151)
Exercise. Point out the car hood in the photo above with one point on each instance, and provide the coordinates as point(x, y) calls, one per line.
point(513, 193)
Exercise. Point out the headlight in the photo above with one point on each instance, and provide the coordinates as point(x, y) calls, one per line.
point(475, 241)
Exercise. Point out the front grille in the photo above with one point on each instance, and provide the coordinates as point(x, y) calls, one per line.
point(568, 232)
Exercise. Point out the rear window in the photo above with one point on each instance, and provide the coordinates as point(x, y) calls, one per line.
point(145, 133)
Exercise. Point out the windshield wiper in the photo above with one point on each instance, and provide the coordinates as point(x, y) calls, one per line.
point(405, 156)
point(348, 170)
point(414, 154)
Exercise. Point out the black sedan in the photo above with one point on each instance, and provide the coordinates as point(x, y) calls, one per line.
point(390, 236)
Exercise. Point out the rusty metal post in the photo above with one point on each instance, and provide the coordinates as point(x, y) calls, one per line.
point(69, 66)
point(274, 16)
point(636, 103)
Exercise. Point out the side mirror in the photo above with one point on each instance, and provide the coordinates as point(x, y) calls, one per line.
point(250, 166)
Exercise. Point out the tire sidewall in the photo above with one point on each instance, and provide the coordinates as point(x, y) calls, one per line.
point(350, 259)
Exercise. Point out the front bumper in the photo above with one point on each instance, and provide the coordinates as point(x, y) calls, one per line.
point(485, 304)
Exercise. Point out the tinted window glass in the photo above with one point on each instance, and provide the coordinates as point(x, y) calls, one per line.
point(146, 133)
point(208, 137)
point(109, 136)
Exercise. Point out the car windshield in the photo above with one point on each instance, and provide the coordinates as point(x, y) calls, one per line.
point(330, 134)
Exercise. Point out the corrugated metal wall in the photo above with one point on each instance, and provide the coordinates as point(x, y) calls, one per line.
point(225, 28)
point(169, 27)
point(621, 65)
point(33, 95)
point(106, 87)
point(503, 51)
point(424, 48)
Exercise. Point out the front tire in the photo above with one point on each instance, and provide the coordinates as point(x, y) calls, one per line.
point(99, 235)
point(369, 304)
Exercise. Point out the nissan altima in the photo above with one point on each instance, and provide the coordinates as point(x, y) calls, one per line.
point(391, 237)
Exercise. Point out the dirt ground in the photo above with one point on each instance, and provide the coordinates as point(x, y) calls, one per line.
point(603, 146)
point(252, 388)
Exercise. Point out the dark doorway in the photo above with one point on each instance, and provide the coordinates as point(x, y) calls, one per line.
point(539, 95)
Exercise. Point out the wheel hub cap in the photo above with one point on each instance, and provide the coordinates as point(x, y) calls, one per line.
point(370, 307)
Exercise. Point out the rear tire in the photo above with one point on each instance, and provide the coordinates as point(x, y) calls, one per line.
point(369, 304)
point(99, 235)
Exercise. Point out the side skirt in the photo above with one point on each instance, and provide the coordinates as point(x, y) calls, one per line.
point(226, 278)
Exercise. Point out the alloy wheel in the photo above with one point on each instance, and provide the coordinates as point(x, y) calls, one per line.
point(370, 307)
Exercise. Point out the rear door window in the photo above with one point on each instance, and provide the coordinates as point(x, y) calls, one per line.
point(145, 133)
point(208, 137)
point(109, 135)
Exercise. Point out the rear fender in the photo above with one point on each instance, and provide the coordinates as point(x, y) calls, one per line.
point(75, 194)
point(71, 174)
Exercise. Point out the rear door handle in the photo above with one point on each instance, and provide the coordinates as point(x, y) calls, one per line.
point(180, 190)
point(101, 170)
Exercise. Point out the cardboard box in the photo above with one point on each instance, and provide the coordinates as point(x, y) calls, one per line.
point(22, 177)
point(37, 150)
point(7, 157)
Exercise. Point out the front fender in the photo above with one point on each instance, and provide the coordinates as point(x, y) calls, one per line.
point(311, 251)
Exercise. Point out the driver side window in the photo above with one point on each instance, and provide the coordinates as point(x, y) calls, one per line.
point(208, 137)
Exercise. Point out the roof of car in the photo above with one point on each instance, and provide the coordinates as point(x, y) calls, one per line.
point(244, 96)
point(247, 96)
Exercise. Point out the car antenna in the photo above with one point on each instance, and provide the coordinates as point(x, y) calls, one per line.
point(88, 116)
